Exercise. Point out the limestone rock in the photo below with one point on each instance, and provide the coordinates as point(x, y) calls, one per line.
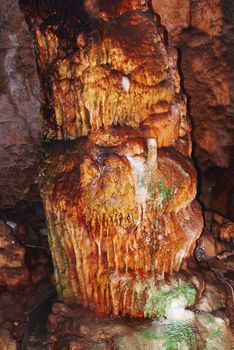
point(174, 14)
point(19, 98)
point(223, 228)
point(203, 31)
point(13, 271)
point(208, 246)
point(117, 184)
point(207, 72)
point(74, 329)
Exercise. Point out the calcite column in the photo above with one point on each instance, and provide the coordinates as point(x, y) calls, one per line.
point(118, 183)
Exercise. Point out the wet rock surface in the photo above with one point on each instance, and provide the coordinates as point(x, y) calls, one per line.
point(204, 326)
point(113, 109)
point(203, 30)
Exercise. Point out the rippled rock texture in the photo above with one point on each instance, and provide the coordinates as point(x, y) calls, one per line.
point(118, 183)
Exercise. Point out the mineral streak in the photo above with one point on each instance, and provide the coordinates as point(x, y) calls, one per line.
point(117, 182)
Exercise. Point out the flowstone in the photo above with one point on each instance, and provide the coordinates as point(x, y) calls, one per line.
point(117, 182)
point(205, 332)
point(73, 328)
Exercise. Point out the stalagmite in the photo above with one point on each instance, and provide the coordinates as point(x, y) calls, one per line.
point(117, 182)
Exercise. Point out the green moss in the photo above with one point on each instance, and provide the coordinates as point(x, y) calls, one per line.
point(159, 298)
point(181, 335)
point(215, 339)
point(163, 191)
point(137, 295)
point(177, 335)
point(151, 333)
point(157, 224)
point(159, 194)
point(213, 327)
point(141, 182)
point(163, 195)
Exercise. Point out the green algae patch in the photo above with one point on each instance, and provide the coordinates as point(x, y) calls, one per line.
point(205, 332)
point(136, 341)
point(160, 298)
point(181, 335)
point(216, 332)
point(158, 193)
point(175, 336)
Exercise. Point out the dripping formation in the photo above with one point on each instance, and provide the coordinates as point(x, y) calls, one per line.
point(118, 183)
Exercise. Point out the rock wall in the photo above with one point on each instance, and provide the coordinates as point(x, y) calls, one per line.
point(19, 101)
point(203, 32)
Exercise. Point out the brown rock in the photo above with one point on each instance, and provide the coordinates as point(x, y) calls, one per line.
point(211, 246)
point(223, 228)
point(207, 16)
point(204, 36)
point(19, 99)
point(174, 14)
point(13, 271)
point(227, 231)
point(221, 198)
point(203, 30)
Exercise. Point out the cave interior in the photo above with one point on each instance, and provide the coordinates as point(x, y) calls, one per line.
point(117, 174)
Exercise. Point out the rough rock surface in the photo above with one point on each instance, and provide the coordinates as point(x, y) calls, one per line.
point(72, 328)
point(222, 228)
point(13, 270)
point(15, 312)
point(24, 251)
point(19, 101)
point(116, 123)
point(203, 31)
point(217, 237)
point(25, 274)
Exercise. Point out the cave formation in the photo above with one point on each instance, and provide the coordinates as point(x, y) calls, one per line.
point(117, 180)
point(119, 197)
